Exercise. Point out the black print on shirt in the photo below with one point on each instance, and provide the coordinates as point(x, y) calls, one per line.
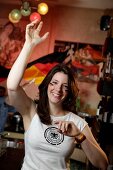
point(53, 137)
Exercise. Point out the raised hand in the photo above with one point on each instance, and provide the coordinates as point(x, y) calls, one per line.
point(32, 33)
point(68, 128)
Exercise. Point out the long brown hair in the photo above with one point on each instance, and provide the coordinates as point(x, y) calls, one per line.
point(69, 104)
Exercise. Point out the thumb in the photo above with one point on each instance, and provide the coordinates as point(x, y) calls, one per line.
point(44, 36)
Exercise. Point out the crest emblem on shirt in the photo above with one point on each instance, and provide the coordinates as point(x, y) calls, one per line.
point(53, 137)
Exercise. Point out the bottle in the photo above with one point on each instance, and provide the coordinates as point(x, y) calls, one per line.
point(101, 108)
point(108, 64)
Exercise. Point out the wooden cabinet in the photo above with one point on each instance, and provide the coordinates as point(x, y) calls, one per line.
point(12, 159)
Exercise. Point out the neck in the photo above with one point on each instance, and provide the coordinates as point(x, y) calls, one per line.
point(56, 110)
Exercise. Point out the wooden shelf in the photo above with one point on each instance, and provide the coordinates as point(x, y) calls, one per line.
point(13, 135)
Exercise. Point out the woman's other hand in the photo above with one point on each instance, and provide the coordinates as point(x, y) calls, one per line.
point(32, 33)
point(67, 128)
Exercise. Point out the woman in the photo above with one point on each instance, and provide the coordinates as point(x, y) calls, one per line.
point(51, 129)
point(10, 44)
point(5, 40)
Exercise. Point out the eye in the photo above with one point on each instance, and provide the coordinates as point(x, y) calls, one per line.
point(65, 87)
point(53, 83)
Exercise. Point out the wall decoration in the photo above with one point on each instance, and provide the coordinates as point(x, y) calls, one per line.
point(87, 61)
point(11, 42)
point(84, 58)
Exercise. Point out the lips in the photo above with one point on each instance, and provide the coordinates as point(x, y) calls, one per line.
point(56, 96)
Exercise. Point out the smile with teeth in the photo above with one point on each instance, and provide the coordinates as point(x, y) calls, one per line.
point(57, 95)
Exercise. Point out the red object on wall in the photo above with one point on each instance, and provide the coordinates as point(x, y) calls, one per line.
point(35, 16)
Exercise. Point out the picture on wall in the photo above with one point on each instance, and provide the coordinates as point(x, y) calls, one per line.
point(85, 59)
point(11, 42)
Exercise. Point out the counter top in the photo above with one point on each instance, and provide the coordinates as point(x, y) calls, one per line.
point(13, 135)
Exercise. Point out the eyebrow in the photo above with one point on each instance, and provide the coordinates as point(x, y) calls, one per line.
point(58, 81)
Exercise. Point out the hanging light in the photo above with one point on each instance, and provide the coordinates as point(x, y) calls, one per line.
point(34, 16)
point(15, 14)
point(42, 8)
point(25, 9)
point(12, 20)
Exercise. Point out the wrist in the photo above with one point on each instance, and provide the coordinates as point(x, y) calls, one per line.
point(28, 45)
point(80, 138)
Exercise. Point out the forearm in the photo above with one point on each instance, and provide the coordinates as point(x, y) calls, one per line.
point(18, 68)
point(95, 154)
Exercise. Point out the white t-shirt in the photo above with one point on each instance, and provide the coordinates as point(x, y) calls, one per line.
point(45, 147)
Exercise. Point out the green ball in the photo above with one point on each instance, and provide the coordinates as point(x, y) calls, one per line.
point(16, 14)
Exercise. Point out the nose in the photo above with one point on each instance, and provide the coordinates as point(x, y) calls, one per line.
point(59, 88)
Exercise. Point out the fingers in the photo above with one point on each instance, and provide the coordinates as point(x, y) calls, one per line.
point(44, 36)
point(33, 23)
point(62, 126)
point(39, 27)
point(33, 26)
point(29, 27)
point(32, 30)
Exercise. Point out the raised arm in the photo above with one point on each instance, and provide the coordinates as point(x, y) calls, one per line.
point(17, 96)
point(32, 38)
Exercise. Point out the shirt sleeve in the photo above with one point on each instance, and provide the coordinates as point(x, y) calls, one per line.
point(79, 122)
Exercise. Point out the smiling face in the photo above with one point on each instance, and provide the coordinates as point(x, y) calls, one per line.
point(58, 88)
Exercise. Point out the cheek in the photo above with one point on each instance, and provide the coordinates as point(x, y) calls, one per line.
point(48, 90)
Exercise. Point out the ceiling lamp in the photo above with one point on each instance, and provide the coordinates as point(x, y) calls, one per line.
point(42, 8)
point(12, 20)
point(15, 16)
point(25, 9)
point(35, 16)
